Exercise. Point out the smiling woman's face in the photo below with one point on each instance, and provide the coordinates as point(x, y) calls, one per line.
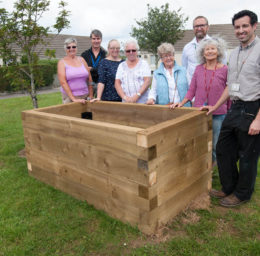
point(114, 49)
point(71, 49)
point(210, 52)
point(168, 60)
point(131, 52)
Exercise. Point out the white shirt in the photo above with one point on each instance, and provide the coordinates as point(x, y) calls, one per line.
point(132, 79)
point(189, 57)
point(173, 91)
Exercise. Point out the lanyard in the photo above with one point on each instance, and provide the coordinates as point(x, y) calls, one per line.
point(243, 62)
point(207, 88)
point(95, 63)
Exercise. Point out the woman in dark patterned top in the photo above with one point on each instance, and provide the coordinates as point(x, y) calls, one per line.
point(107, 71)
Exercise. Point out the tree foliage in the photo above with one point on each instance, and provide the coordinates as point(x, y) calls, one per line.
point(21, 30)
point(161, 25)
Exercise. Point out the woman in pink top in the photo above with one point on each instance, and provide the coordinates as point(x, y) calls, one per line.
point(208, 83)
point(74, 75)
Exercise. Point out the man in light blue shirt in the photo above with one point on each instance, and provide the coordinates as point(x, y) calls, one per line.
point(189, 57)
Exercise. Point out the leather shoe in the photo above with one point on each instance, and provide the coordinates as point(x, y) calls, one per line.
point(231, 201)
point(217, 193)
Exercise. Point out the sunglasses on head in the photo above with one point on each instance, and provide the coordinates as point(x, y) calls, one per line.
point(73, 47)
point(128, 51)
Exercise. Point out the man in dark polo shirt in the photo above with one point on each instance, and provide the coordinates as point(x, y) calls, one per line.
point(94, 55)
point(239, 137)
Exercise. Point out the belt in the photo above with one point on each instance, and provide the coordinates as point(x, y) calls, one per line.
point(238, 101)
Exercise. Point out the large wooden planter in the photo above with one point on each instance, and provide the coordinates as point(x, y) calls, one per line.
point(141, 164)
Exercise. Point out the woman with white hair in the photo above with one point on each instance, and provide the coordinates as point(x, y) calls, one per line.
point(133, 76)
point(170, 83)
point(74, 75)
point(208, 83)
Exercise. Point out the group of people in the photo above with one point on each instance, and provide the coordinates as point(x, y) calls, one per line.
point(230, 93)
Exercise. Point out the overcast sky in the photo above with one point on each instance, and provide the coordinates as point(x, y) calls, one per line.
point(115, 18)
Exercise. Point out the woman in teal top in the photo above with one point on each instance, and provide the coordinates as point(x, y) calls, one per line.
point(170, 83)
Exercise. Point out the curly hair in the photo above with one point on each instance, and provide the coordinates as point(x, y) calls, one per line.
point(214, 40)
point(165, 48)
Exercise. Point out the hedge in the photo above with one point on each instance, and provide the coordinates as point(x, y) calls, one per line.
point(47, 68)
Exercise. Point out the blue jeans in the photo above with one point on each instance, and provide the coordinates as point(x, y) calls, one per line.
point(216, 126)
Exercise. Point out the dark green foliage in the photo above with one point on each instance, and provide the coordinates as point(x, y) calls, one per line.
point(161, 25)
point(43, 72)
point(21, 30)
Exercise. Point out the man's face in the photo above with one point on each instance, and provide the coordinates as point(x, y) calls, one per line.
point(200, 28)
point(244, 31)
point(96, 41)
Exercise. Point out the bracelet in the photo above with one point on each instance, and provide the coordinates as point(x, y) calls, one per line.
point(139, 94)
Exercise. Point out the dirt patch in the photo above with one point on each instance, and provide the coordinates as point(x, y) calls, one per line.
point(22, 153)
point(200, 202)
point(164, 234)
point(171, 230)
point(225, 227)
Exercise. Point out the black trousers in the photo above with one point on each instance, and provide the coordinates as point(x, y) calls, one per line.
point(235, 144)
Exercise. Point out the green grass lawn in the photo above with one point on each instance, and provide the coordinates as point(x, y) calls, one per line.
point(36, 219)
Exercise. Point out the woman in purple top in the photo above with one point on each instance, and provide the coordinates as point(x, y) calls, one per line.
point(208, 83)
point(74, 75)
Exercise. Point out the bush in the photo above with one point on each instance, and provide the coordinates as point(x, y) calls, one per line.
point(44, 74)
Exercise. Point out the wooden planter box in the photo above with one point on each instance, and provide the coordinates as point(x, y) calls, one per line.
point(140, 164)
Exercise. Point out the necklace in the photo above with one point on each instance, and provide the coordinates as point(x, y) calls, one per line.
point(207, 88)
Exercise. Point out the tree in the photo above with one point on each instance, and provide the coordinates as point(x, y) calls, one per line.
point(161, 25)
point(21, 29)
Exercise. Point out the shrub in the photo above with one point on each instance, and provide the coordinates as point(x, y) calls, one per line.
point(44, 76)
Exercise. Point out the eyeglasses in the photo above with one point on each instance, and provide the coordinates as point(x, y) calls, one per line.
point(73, 47)
point(128, 51)
point(167, 56)
point(115, 48)
point(200, 26)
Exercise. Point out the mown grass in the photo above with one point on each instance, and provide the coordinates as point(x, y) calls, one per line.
point(36, 219)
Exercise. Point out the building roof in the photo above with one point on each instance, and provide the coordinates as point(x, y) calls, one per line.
point(57, 42)
point(226, 31)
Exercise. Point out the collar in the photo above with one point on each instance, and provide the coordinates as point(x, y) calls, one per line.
point(162, 69)
point(194, 40)
point(249, 45)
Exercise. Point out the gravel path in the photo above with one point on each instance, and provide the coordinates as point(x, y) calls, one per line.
point(22, 94)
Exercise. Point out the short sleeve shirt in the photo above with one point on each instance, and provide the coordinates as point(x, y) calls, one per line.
point(132, 79)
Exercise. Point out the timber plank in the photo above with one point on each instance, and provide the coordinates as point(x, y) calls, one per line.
point(137, 115)
point(87, 156)
point(182, 199)
point(92, 132)
point(73, 109)
point(102, 201)
point(180, 155)
point(119, 188)
point(180, 178)
point(173, 132)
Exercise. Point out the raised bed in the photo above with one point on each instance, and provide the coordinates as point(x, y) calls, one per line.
point(140, 164)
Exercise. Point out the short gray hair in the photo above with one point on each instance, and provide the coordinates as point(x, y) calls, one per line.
point(131, 41)
point(96, 33)
point(214, 40)
point(69, 41)
point(165, 48)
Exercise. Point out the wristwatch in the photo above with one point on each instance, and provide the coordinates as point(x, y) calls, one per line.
point(139, 94)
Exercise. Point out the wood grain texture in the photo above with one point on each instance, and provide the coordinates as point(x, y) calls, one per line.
point(140, 164)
